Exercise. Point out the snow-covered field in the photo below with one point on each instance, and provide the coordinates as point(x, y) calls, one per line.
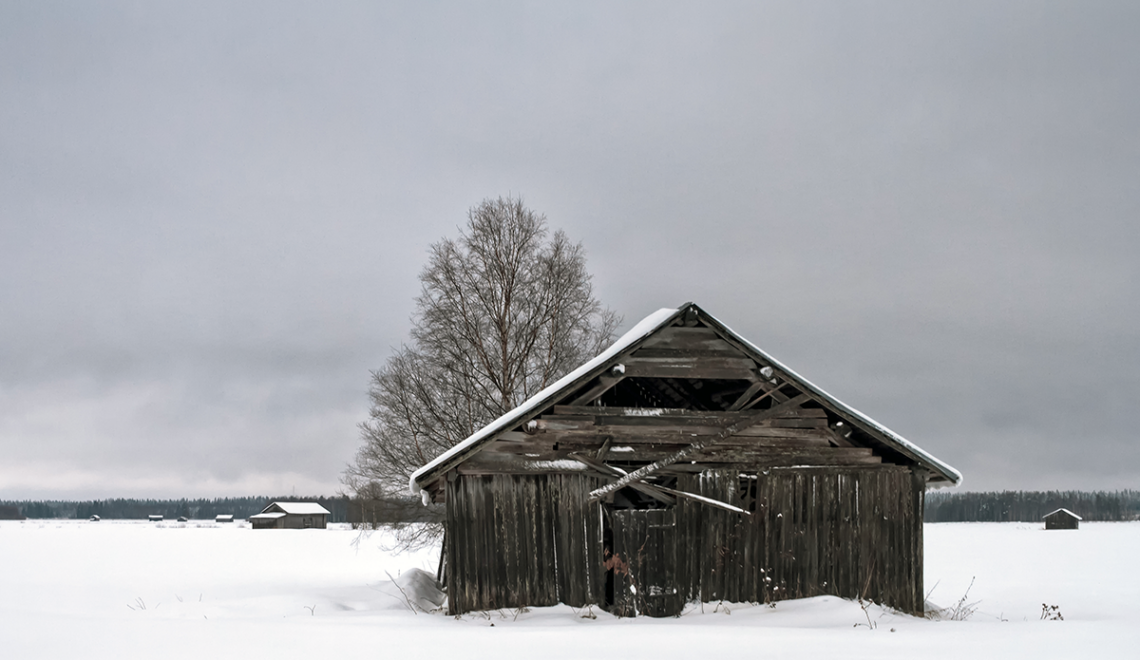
point(118, 589)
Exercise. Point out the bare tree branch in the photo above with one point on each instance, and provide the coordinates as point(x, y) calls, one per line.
point(504, 310)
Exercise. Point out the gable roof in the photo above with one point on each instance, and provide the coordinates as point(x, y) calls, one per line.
point(298, 508)
point(1063, 511)
point(940, 472)
point(268, 516)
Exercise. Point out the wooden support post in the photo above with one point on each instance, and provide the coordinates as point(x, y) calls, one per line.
point(439, 576)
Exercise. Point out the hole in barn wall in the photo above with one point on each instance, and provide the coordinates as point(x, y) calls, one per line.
point(683, 393)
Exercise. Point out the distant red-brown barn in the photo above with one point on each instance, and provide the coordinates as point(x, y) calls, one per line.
point(681, 464)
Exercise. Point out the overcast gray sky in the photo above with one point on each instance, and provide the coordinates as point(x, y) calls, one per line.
point(212, 216)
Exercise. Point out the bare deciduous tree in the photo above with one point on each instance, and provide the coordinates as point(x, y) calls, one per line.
point(505, 310)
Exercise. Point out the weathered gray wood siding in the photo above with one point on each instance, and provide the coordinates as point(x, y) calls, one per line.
point(847, 532)
point(645, 563)
point(522, 540)
point(516, 540)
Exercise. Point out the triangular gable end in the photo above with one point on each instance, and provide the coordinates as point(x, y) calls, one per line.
point(1061, 512)
point(683, 367)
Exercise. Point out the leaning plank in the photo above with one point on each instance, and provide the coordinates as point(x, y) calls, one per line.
point(653, 489)
point(642, 473)
point(708, 501)
point(611, 472)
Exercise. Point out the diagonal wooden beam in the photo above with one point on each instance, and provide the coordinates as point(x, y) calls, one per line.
point(774, 392)
point(748, 394)
point(726, 431)
point(604, 384)
point(612, 472)
point(654, 490)
point(707, 501)
point(840, 433)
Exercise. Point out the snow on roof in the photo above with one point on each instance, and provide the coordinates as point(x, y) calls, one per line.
point(299, 508)
point(1062, 510)
point(268, 516)
point(645, 327)
point(956, 476)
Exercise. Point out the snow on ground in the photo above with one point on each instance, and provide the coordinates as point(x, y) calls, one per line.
point(118, 589)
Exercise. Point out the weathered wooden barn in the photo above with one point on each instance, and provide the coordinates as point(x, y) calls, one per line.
point(681, 464)
point(291, 515)
point(1062, 519)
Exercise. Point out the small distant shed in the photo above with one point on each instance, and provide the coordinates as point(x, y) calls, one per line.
point(291, 515)
point(1062, 519)
point(154, 517)
point(224, 518)
point(8, 512)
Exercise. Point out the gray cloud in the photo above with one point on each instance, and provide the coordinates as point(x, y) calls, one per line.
point(212, 217)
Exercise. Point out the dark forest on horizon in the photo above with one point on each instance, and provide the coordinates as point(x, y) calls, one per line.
point(341, 509)
point(192, 509)
point(1031, 506)
point(1004, 506)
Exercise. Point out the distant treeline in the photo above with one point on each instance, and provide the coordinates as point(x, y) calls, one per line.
point(1031, 506)
point(342, 509)
point(1005, 506)
point(199, 509)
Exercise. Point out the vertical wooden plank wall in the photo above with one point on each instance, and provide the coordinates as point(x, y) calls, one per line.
point(518, 540)
point(645, 544)
point(851, 533)
point(522, 540)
